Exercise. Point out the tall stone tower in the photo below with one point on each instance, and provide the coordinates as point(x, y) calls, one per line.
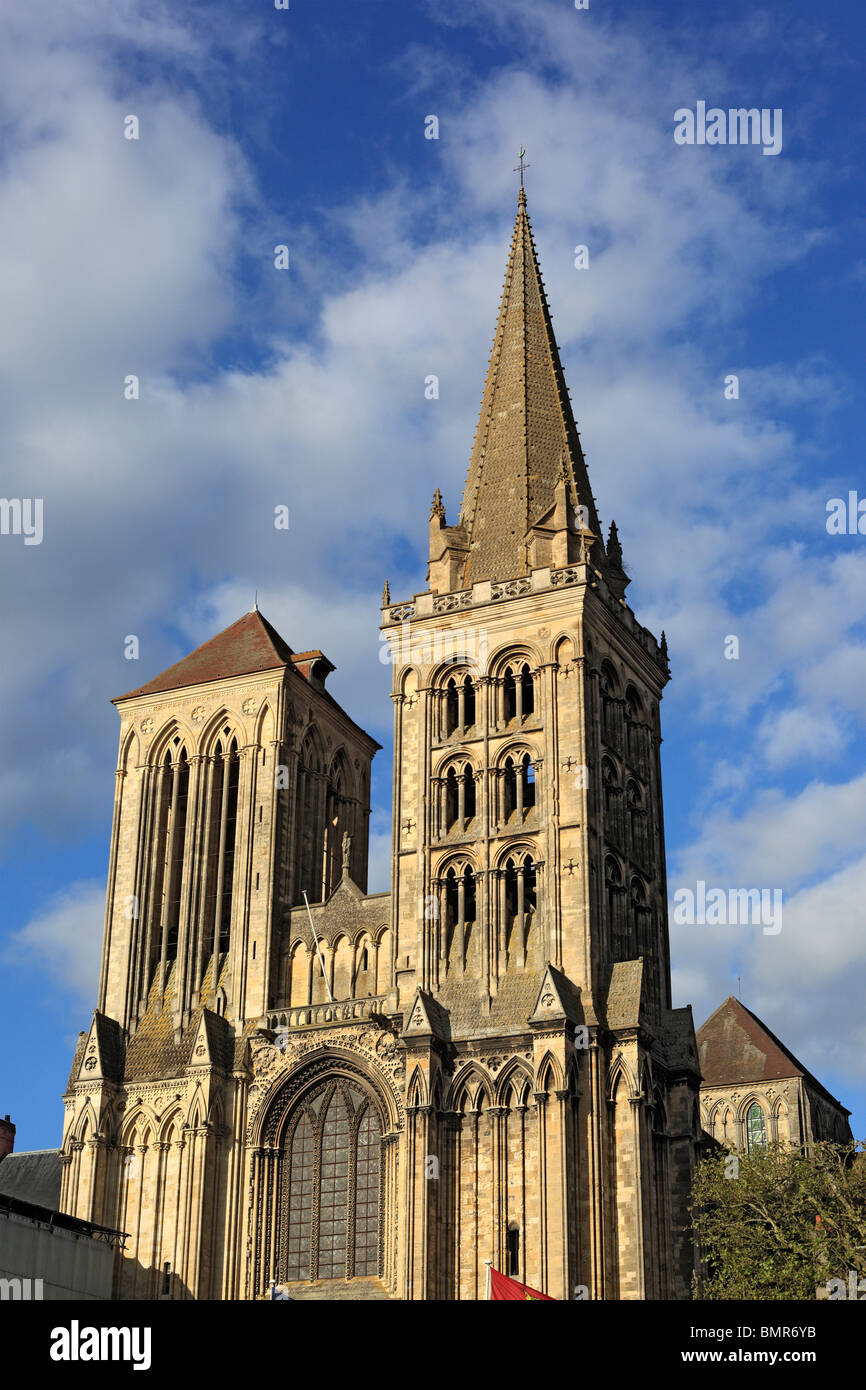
point(483, 1064)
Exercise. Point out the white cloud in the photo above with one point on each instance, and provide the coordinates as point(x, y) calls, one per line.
point(64, 939)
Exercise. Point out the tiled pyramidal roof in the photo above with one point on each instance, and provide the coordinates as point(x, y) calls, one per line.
point(526, 433)
point(249, 645)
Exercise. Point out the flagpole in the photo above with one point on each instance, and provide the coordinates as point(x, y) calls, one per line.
point(489, 1264)
point(318, 950)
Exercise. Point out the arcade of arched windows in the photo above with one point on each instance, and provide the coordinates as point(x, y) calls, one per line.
point(354, 968)
point(454, 706)
point(454, 799)
point(462, 898)
point(458, 700)
point(751, 1123)
point(458, 788)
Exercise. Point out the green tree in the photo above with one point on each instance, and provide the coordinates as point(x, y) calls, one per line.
point(781, 1222)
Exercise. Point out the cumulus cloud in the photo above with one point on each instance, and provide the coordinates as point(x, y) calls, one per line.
point(64, 939)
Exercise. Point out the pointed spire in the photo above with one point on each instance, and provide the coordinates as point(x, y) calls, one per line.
point(438, 508)
point(526, 434)
point(663, 646)
point(614, 549)
point(386, 595)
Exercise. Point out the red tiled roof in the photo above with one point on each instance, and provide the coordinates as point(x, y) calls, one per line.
point(249, 645)
point(735, 1046)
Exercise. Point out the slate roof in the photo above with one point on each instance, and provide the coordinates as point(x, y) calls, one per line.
point(526, 431)
point(734, 1045)
point(249, 645)
point(32, 1177)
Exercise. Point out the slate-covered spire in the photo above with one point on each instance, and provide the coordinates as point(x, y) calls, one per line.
point(526, 434)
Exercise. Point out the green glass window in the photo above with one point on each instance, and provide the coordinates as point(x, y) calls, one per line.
point(756, 1128)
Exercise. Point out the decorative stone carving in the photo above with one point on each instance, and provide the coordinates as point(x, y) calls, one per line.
point(381, 1050)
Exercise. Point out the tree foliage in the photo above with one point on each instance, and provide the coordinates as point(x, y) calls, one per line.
point(779, 1223)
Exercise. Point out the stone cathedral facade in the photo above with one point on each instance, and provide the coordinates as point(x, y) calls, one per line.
point(387, 1091)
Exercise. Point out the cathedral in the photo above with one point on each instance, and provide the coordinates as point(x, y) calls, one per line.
point(291, 1081)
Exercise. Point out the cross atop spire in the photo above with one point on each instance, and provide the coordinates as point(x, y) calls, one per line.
point(521, 166)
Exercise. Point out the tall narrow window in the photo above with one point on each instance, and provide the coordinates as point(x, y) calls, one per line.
point(468, 895)
point(451, 706)
point(512, 1252)
point(301, 1173)
point(637, 822)
point(169, 846)
point(756, 1128)
point(177, 842)
point(367, 1195)
point(614, 888)
point(527, 691)
point(527, 773)
point(468, 702)
point(332, 1202)
point(638, 943)
point(610, 712)
point(468, 793)
point(310, 813)
point(509, 696)
point(230, 821)
point(451, 798)
point(509, 789)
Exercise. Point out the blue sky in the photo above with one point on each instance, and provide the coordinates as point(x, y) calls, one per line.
point(305, 387)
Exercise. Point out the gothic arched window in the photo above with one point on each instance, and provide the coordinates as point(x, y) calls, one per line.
point(526, 692)
point(636, 730)
point(610, 784)
point(610, 722)
point(756, 1128)
point(451, 798)
point(176, 841)
point(310, 816)
point(638, 943)
point(527, 777)
point(468, 793)
point(614, 893)
point(519, 902)
point(637, 821)
point(332, 1201)
point(509, 696)
point(452, 712)
point(468, 702)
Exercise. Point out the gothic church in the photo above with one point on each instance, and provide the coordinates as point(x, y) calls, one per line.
point(376, 1095)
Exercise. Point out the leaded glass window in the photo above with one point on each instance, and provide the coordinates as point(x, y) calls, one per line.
point(332, 1185)
point(756, 1128)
